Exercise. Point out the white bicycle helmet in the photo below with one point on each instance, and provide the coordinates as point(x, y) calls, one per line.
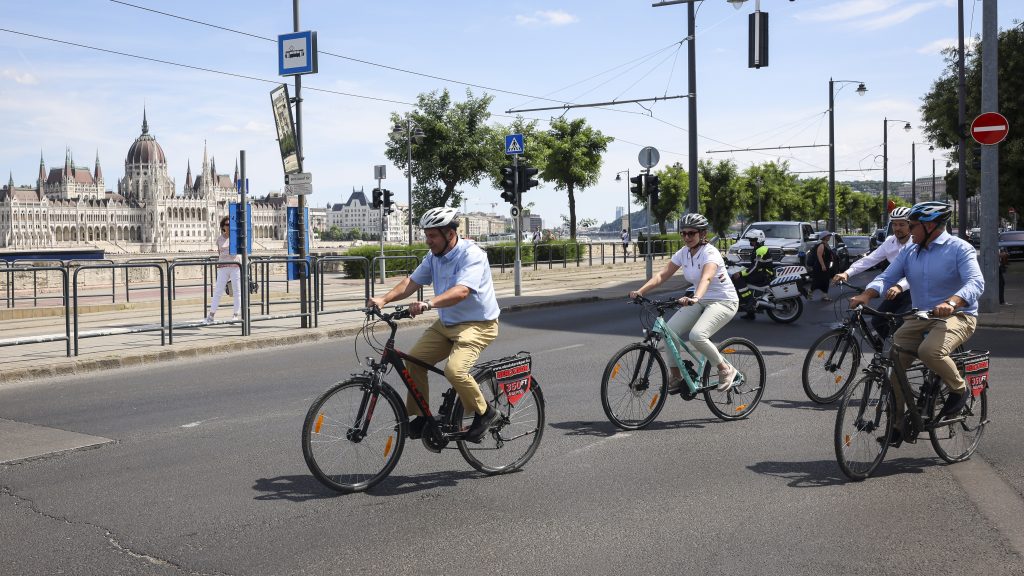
point(899, 213)
point(442, 217)
point(755, 235)
point(694, 220)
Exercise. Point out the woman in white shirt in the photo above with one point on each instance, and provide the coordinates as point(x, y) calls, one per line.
point(227, 270)
point(714, 301)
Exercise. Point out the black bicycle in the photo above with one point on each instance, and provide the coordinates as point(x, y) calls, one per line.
point(863, 430)
point(833, 359)
point(354, 433)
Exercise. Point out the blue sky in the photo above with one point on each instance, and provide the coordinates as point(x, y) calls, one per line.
point(54, 95)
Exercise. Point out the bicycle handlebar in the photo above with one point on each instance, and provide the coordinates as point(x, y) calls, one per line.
point(400, 313)
point(659, 304)
point(857, 289)
point(913, 312)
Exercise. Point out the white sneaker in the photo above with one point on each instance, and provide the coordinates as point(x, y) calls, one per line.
point(725, 379)
point(208, 320)
point(236, 317)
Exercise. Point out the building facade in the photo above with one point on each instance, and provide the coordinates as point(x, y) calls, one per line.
point(70, 207)
point(357, 213)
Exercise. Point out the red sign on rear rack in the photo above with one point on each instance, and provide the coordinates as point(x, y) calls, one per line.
point(512, 377)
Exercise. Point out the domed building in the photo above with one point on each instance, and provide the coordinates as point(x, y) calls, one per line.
point(69, 207)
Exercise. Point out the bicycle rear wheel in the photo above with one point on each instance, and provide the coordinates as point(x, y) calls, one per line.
point(510, 443)
point(353, 436)
point(863, 427)
point(633, 386)
point(955, 439)
point(739, 401)
point(830, 365)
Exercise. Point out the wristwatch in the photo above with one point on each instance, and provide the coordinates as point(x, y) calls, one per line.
point(430, 305)
point(951, 303)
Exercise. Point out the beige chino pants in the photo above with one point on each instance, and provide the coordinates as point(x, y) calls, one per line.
point(461, 344)
point(933, 349)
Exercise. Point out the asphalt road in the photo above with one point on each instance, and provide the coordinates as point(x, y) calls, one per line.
point(205, 476)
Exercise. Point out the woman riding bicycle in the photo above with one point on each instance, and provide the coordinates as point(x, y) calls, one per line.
point(714, 301)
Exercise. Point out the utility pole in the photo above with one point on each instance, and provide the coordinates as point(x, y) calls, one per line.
point(243, 243)
point(961, 149)
point(989, 160)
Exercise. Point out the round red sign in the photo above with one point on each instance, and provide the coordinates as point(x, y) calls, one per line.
point(990, 128)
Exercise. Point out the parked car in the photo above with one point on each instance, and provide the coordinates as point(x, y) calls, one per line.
point(1013, 243)
point(974, 237)
point(857, 247)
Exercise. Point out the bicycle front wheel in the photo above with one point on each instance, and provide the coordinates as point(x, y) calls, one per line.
point(863, 427)
point(830, 365)
point(739, 401)
point(633, 386)
point(956, 438)
point(510, 443)
point(353, 435)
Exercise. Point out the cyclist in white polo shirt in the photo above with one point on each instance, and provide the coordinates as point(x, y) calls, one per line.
point(714, 301)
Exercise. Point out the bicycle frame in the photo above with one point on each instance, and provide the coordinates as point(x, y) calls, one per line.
point(673, 343)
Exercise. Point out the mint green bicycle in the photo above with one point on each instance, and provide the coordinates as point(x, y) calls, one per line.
point(635, 381)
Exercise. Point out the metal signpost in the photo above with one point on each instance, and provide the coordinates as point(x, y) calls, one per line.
point(514, 146)
point(297, 55)
point(648, 158)
point(379, 173)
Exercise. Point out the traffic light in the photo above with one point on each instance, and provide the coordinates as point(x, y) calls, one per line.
point(376, 199)
point(636, 187)
point(508, 184)
point(387, 200)
point(652, 188)
point(526, 180)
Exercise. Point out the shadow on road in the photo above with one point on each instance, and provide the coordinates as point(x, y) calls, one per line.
point(821, 473)
point(605, 428)
point(305, 488)
point(800, 405)
point(292, 488)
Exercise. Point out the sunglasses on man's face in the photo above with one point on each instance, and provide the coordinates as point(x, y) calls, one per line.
point(689, 233)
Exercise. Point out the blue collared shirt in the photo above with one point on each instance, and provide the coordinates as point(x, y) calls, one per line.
point(466, 264)
point(948, 267)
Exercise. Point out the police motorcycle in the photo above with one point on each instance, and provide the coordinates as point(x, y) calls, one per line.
point(778, 293)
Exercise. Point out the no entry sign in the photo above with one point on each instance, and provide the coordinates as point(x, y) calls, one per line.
point(990, 128)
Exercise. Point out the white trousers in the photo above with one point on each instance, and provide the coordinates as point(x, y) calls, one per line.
point(698, 323)
point(234, 275)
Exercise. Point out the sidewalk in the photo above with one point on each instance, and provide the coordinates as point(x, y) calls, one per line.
point(539, 288)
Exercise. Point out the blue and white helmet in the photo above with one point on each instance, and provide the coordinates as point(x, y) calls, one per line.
point(930, 212)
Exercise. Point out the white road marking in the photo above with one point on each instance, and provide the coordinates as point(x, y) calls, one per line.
point(563, 348)
point(617, 436)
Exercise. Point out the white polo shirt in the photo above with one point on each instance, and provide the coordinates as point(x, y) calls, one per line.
point(721, 287)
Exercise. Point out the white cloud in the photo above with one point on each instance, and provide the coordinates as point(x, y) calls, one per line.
point(847, 10)
point(896, 17)
point(547, 18)
point(941, 44)
point(20, 77)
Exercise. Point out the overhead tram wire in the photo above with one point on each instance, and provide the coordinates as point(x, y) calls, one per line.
point(199, 68)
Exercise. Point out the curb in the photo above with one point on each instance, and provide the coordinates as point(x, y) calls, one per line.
point(236, 344)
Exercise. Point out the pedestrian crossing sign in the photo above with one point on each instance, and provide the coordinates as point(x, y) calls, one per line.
point(514, 144)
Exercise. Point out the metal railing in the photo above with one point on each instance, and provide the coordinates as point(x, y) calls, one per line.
point(120, 329)
point(320, 294)
point(265, 300)
point(171, 269)
point(37, 339)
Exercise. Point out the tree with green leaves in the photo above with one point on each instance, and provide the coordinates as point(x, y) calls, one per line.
point(720, 197)
point(673, 188)
point(457, 148)
point(572, 154)
point(939, 112)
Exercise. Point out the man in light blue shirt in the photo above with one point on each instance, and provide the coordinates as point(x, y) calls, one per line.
point(468, 317)
point(946, 279)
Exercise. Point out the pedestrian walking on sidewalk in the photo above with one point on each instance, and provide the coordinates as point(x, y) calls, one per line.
point(228, 270)
point(819, 263)
point(625, 241)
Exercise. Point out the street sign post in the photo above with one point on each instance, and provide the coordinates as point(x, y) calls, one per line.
point(990, 128)
point(296, 53)
point(649, 157)
point(300, 184)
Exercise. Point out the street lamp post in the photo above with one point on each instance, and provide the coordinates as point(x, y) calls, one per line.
point(861, 89)
point(410, 134)
point(757, 183)
point(913, 171)
point(932, 150)
point(629, 205)
point(885, 162)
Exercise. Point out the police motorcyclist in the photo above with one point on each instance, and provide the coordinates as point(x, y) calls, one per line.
point(760, 272)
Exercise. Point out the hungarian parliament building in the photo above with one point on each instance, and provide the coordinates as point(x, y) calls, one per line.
point(70, 207)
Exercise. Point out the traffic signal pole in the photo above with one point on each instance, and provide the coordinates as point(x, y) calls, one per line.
point(519, 221)
point(382, 210)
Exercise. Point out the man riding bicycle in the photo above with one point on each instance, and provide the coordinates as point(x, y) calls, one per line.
point(945, 278)
point(714, 300)
point(760, 272)
point(897, 299)
point(468, 316)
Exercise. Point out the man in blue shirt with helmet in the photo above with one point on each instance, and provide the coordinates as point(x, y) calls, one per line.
point(946, 279)
point(468, 316)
